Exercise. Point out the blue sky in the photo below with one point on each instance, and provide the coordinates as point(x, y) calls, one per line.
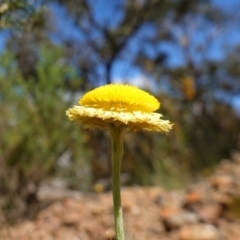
point(228, 35)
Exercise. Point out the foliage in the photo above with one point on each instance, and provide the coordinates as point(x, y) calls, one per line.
point(35, 131)
point(16, 13)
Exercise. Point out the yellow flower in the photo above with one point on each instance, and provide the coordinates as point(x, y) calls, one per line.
point(119, 104)
point(119, 108)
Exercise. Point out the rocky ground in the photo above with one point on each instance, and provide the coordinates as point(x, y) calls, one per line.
point(209, 210)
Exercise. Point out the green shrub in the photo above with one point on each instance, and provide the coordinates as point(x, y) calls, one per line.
point(35, 132)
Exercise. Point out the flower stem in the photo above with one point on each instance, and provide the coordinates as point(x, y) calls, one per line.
point(117, 153)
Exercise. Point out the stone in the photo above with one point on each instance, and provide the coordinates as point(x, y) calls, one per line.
point(199, 232)
point(193, 197)
point(221, 198)
point(167, 212)
point(236, 156)
point(70, 218)
point(209, 212)
point(51, 194)
point(222, 182)
point(181, 218)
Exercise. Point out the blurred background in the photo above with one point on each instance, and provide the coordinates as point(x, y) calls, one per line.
point(185, 52)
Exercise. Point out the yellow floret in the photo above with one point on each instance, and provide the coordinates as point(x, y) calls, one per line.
point(119, 97)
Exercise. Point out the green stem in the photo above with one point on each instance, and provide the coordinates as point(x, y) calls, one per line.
point(117, 153)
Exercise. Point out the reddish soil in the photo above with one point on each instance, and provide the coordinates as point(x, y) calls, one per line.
point(209, 210)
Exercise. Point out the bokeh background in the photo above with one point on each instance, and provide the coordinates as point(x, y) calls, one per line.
point(186, 53)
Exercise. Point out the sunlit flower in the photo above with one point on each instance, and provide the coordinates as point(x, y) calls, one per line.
point(118, 108)
point(119, 104)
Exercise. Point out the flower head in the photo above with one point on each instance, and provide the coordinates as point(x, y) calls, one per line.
point(119, 104)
